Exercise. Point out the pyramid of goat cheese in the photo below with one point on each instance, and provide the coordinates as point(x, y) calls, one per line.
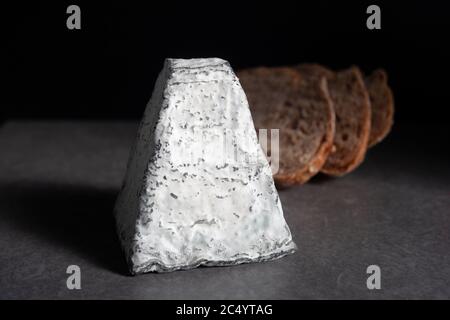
point(198, 188)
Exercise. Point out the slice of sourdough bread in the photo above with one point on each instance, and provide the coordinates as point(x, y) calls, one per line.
point(353, 117)
point(382, 102)
point(281, 98)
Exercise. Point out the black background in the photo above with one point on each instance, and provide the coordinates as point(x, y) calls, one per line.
point(108, 68)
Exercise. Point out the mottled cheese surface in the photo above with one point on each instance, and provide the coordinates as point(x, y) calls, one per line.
point(198, 188)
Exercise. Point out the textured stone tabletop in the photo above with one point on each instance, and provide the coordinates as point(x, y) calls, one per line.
point(59, 181)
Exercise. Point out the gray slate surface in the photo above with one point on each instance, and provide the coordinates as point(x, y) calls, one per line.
point(59, 181)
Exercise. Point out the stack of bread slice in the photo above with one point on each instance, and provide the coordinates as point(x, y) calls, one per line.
point(327, 119)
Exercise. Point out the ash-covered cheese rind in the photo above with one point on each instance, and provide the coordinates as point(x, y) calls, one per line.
point(198, 188)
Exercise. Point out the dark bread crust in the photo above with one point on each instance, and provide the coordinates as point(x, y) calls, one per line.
point(303, 173)
point(353, 117)
point(302, 109)
point(382, 101)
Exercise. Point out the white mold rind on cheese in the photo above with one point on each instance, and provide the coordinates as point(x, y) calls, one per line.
point(186, 200)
